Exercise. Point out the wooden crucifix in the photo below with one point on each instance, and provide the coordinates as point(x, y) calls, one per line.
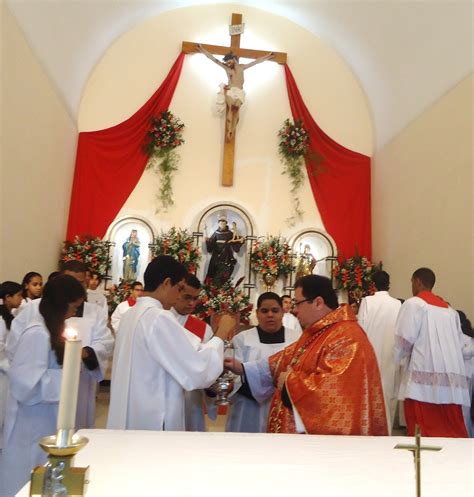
point(233, 92)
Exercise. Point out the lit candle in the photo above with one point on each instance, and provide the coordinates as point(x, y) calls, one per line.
point(70, 381)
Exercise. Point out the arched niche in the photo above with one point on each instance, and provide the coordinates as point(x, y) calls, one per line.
point(118, 233)
point(206, 223)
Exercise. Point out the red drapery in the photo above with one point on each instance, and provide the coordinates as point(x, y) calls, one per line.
point(110, 162)
point(341, 187)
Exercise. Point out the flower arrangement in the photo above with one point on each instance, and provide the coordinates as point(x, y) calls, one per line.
point(225, 298)
point(271, 257)
point(163, 137)
point(179, 244)
point(355, 275)
point(293, 146)
point(118, 293)
point(91, 250)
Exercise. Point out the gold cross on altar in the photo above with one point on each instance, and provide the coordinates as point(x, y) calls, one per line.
point(235, 30)
point(416, 449)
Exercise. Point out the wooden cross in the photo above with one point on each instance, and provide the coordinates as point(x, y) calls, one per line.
point(416, 449)
point(279, 57)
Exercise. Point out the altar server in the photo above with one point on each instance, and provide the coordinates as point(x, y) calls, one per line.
point(289, 320)
point(32, 284)
point(428, 339)
point(35, 379)
point(91, 326)
point(94, 295)
point(194, 400)
point(10, 295)
point(267, 338)
point(90, 322)
point(377, 315)
point(126, 305)
point(154, 359)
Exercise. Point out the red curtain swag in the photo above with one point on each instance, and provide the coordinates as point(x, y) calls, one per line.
point(341, 185)
point(110, 162)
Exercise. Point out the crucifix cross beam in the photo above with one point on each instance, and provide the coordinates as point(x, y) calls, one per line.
point(234, 99)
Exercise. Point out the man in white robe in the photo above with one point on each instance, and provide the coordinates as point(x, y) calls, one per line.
point(377, 315)
point(91, 324)
point(126, 305)
point(155, 361)
point(269, 337)
point(428, 340)
point(290, 320)
point(194, 400)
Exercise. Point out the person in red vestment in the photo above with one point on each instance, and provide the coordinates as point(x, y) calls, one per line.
point(328, 382)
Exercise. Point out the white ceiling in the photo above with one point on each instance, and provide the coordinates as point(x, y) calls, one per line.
point(406, 54)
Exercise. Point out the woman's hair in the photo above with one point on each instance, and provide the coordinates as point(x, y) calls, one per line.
point(26, 279)
point(8, 289)
point(57, 294)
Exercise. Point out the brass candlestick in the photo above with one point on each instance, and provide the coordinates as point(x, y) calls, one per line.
point(59, 477)
point(416, 449)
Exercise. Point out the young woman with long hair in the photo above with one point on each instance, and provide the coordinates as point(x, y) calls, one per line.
point(35, 380)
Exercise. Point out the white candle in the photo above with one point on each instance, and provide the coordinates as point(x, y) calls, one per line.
point(70, 381)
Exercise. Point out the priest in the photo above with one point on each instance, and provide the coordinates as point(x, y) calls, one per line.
point(429, 344)
point(377, 316)
point(199, 332)
point(154, 359)
point(267, 338)
point(326, 383)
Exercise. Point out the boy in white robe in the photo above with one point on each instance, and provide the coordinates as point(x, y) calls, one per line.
point(183, 308)
point(126, 305)
point(377, 315)
point(433, 384)
point(154, 359)
point(268, 338)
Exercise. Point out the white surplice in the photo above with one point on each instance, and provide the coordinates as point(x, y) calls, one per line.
point(98, 298)
point(154, 362)
point(291, 321)
point(92, 330)
point(377, 316)
point(118, 314)
point(4, 366)
point(193, 400)
point(32, 407)
point(428, 339)
point(247, 415)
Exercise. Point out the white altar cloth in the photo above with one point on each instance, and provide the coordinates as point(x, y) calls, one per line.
point(179, 464)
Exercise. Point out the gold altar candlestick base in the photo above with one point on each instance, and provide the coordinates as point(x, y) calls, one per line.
point(416, 450)
point(61, 449)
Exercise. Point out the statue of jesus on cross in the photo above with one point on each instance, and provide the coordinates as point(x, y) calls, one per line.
point(234, 90)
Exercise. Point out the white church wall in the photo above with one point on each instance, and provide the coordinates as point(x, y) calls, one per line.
point(135, 66)
point(423, 200)
point(37, 161)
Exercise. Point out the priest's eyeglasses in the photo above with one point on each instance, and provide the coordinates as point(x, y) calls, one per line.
point(296, 303)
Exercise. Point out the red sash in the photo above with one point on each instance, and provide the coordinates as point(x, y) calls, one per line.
point(196, 326)
point(131, 301)
point(432, 299)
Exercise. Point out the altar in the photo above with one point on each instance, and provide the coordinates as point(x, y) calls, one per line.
point(179, 464)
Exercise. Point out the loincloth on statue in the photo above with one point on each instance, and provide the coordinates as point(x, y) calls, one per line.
point(235, 93)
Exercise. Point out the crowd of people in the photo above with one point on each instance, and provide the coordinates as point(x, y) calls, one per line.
point(310, 365)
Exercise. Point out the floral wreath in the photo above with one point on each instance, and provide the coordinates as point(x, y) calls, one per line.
point(162, 139)
point(293, 146)
point(355, 275)
point(179, 244)
point(271, 257)
point(93, 251)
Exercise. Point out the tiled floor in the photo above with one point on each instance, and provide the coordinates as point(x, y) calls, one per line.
point(102, 408)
